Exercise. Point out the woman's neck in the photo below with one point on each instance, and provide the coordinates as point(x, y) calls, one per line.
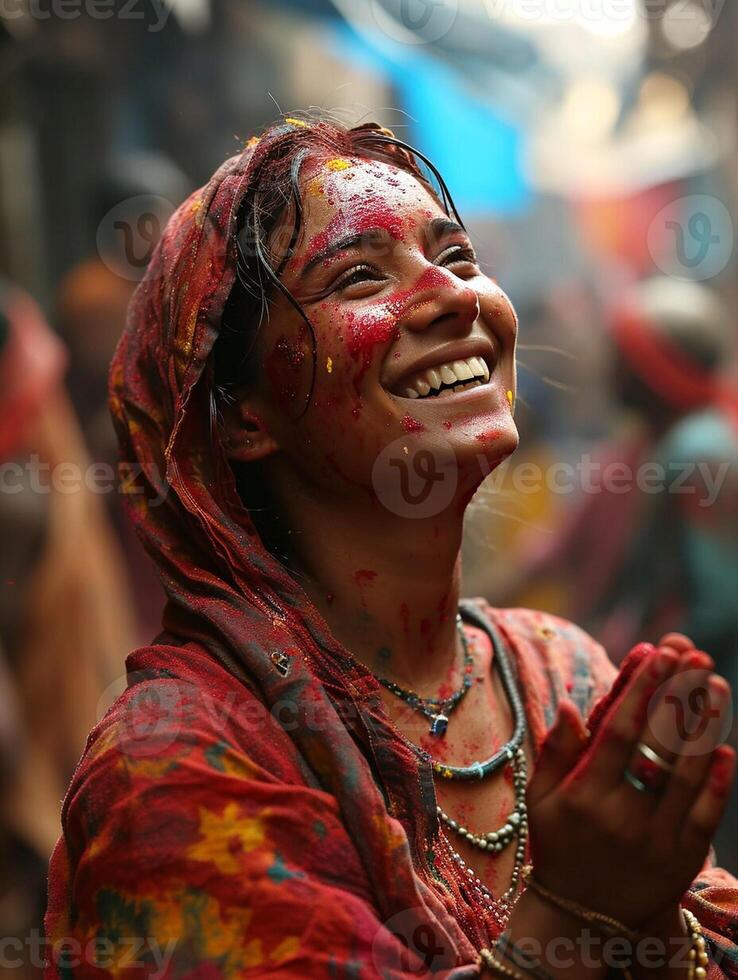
point(387, 587)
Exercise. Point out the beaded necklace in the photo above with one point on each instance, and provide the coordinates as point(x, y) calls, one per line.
point(506, 753)
point(516, 824)
point(437, 710)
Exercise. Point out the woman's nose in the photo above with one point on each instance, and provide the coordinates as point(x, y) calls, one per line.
point(441, 297)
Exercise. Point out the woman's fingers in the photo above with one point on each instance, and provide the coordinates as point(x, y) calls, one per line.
point(649, 769)
point(621, 728)
point(707, 810)
point(693, 765)
point(677, 641)
point(562, 747)
point(675, 713)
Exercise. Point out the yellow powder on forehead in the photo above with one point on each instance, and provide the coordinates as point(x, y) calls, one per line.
point(314, 186)
point(338, 164)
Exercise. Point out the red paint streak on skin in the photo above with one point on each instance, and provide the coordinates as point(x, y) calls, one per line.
point(364, 576)
point(410, 424)
point(446, 424)
point(489, 435)
point(365, 215)
point(373, 325)
point(425, 626)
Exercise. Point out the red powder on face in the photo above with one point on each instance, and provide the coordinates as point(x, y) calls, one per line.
point(446, 424)
point(375, 325)
point(410, 424)
point(366, 214)
point(364, 576)
point(489, 435)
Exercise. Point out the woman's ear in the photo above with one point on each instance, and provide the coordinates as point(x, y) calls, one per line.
point(246, 436)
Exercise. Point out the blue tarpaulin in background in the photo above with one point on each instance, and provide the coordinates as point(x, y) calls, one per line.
point(476, 150)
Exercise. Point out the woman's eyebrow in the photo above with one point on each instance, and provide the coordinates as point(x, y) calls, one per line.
point(438, 228)
point(355, 240)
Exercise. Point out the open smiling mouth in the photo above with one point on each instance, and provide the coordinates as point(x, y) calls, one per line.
point(445, 380)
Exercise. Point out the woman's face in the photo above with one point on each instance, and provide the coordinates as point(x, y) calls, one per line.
point(415, 345)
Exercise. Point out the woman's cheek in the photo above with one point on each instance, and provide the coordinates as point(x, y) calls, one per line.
point(287, 370)
point(365, 332)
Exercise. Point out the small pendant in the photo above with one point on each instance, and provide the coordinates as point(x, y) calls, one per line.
point(439, 724)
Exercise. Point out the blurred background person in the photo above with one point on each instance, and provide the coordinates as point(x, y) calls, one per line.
point(651, 546)
point(66, 619)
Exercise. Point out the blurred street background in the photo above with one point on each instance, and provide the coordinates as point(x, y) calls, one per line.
point(590, 147)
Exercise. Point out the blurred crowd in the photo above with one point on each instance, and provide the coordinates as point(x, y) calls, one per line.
point(620, 508)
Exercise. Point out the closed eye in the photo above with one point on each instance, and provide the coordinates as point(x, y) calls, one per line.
point(359, 274)
point(365, 273)
point(458, 253)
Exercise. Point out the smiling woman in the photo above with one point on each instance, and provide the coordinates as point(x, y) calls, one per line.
point(320, 766)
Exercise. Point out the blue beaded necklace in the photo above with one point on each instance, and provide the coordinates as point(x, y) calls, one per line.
point(507, 752)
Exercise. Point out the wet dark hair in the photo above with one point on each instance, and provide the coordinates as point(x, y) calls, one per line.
point(275, 188)
point(274, 194)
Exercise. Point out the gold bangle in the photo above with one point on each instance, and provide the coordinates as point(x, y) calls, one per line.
point(698, 958)
point(490, 960)
point(606, 923)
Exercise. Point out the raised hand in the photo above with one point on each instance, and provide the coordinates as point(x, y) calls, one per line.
point(610, 827)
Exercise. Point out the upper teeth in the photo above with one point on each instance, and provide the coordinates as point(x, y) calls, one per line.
point(471, 369)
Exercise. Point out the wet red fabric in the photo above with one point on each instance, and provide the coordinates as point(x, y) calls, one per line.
point(246, 807)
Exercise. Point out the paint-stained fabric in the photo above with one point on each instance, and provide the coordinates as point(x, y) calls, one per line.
point(246, 808)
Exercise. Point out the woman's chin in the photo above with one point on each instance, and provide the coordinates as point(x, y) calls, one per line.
point(476, 421)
